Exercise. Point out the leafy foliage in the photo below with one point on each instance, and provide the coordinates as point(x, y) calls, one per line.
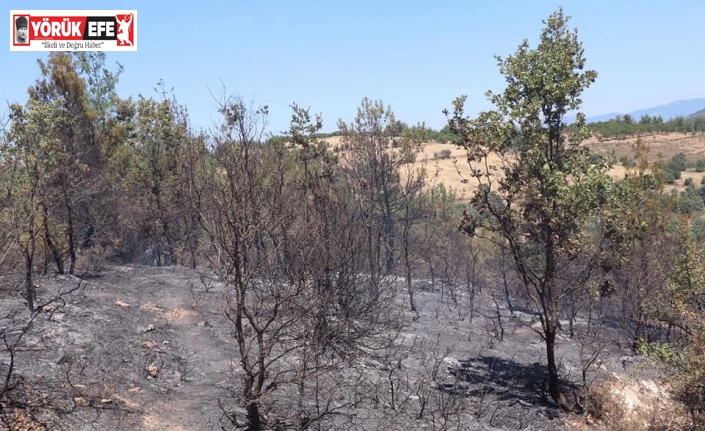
point(687, 297)
point(545, 191)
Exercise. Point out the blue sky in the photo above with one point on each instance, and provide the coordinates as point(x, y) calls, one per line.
point(416, 56)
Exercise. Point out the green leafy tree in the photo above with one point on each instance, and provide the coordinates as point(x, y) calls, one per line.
point(37, 136)
point(700, 165)
point(539, 198)
point(679, 162)
point(645, 119)
point(157, 144)
point(10, 225)
point(638, 249)
point(74, 198)
point(686, 306)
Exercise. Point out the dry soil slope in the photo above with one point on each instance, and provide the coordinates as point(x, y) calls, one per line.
point(454, 171)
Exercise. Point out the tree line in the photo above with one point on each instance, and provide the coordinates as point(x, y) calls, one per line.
point(625, 125)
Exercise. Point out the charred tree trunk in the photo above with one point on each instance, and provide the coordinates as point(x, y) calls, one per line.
point(254, 421)
point(29, 285)
point(70, 232)
point(554, 389)
point(388, 235)
point(55, 254)
point(407, 267)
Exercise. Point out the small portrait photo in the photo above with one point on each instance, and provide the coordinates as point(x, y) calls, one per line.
point(22, 30)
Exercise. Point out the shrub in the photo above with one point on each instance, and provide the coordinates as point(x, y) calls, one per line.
point(685, 362)
point(690, 201)
point(607, 406)
point(671, 176)
point(595, 158)
point(408, 157)
point(700, 166)
point(93, 259)
point(678, 162)
point(443, 154)
point(627, 162)
point(601, 406)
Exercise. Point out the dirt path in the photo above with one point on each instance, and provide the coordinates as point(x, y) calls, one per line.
point(204, 360)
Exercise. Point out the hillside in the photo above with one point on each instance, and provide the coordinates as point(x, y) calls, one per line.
point(680, 108)
point(662, 147)
point(700, 113)
point(454, 172)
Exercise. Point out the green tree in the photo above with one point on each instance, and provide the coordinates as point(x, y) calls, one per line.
point(700, 165)
point(80, 85)
point(37, 135)
point(645, 119)
point(539, 198)
point(154, 175)
point(685, 303)
point(638, 249)
point(679, 162)
point(672, 170)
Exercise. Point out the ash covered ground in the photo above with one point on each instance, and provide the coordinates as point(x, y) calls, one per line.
point(143, 348)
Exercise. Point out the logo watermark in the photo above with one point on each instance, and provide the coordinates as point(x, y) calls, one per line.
point(73, 30)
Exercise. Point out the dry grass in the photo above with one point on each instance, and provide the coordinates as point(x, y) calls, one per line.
point(631, 405)
point(454, 172)
point(662, 146)
point(23, 421)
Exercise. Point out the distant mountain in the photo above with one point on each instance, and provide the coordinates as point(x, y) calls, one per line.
point(603, 117)
point(700, 113)
point(681, 108)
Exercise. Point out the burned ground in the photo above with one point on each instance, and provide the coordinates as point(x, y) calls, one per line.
point(151, 349)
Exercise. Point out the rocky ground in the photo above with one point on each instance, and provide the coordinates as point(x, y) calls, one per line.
point(141, 348)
